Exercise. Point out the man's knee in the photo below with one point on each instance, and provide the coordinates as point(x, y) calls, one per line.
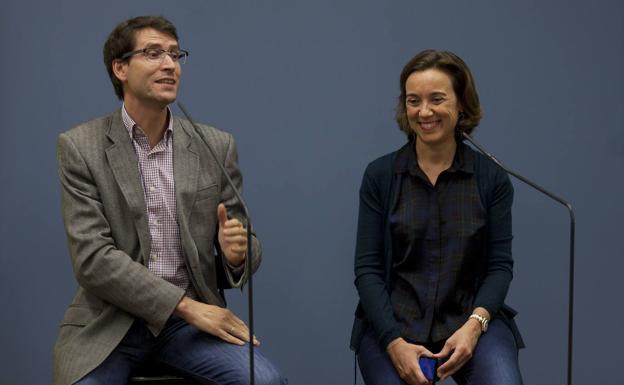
point(273, 379)
point(267, 374)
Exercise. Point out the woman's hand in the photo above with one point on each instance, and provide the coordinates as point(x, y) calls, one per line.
point(405, 357)
point(460, 347)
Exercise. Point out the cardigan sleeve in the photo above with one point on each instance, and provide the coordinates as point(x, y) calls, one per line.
point(370, 258)
point(498, 272)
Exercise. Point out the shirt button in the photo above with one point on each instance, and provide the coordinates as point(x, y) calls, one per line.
point(154, 257)
point(157, 221)
point(152, 188)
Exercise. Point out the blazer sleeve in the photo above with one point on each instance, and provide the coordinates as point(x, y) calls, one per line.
point(370, 260)
point(235, 277)
point(499, 266)
point(98, 265)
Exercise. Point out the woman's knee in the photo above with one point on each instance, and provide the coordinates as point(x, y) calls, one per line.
point(495, 360)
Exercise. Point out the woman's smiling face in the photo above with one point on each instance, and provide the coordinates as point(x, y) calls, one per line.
point(432, 107)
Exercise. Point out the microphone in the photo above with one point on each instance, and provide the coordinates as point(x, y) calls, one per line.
point(249, 258)
point(572, 226)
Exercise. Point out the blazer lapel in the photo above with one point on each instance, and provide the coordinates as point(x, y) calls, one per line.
point(124, 165)
point(185, 171)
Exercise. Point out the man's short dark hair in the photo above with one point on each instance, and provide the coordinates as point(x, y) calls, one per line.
point(463, 86)
point(123, 39)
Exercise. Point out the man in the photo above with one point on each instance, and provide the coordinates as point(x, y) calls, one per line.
point(145, 207)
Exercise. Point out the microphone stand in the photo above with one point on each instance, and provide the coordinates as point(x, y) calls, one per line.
point(571, 263)
point(248, 265)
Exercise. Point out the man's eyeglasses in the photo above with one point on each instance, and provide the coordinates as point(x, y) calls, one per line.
point(157, 55)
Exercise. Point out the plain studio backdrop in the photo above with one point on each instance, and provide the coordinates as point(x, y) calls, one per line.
point(308, 89)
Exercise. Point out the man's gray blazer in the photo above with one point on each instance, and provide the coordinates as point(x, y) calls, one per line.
point(109, 240)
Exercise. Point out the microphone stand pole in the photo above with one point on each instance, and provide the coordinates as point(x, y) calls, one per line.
point(571, 263)
point(248, 266)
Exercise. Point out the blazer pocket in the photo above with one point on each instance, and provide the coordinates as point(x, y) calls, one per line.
point(206, 192)
point(77, 315)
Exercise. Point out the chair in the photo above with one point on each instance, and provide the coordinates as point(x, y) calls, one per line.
point(160, 380)
point(152, 374)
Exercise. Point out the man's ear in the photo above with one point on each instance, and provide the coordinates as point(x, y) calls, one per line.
point(120, 68)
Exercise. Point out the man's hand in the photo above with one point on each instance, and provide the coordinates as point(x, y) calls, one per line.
point(215, 320)
point(405, 357)
point(460, 347)
point(232, 237)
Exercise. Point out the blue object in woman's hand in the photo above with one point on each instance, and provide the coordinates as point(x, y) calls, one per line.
point(429, 367)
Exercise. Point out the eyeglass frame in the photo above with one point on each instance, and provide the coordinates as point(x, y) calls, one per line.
point(181, 54)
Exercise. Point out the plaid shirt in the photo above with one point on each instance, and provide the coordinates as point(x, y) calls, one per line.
point(439, 234)
point(156, 169)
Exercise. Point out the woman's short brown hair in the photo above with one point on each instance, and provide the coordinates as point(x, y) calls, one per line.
point(463, 85)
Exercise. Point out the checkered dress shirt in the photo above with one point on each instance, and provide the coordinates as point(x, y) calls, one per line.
point(439, 247)
point(156, 168)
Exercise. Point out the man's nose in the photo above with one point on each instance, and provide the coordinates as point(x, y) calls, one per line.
point(168, 62)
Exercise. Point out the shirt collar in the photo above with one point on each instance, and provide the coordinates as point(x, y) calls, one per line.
point(406, 160)
point(130, 124)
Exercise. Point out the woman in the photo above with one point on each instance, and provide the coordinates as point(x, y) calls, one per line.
point(433, 257)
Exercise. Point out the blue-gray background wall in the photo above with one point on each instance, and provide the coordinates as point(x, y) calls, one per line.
point(308, 90)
